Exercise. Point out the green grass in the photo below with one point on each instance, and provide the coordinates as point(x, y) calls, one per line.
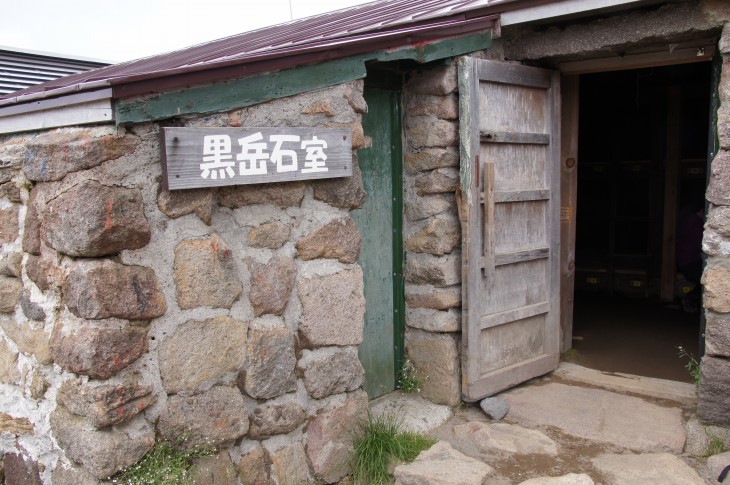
point(407, 380)
point(716, 445)
point(379, 443)
point(162, 465)
point(692, 365)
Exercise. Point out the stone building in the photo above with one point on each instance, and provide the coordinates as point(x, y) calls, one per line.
point(259, 318)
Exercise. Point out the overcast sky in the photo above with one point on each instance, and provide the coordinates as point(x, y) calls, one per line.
point(129, 29)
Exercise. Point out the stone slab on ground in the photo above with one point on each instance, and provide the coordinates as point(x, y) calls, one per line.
point(418, 414)
point(442, 465)
point(716, 464)
point(495, 407)
point(647, 468)
point(569, 479)
point(599, 415)
point(506, 437)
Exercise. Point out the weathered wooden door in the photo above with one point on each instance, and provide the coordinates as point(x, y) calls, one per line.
point(510, 135)
point(381, 253)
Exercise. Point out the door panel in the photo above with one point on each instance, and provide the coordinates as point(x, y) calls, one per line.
point(381, 254)
point(509, 210)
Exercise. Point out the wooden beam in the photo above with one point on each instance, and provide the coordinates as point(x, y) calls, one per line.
point(671, 192)
point(99, 111)
point(247, 91)
point(568, 198)
point(666, 57)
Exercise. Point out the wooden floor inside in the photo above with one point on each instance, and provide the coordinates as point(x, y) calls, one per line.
point(614, 333)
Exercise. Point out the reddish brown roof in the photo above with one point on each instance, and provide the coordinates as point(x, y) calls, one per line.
point(378, 25)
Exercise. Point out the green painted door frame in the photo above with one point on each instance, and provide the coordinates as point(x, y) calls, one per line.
point(380, 222)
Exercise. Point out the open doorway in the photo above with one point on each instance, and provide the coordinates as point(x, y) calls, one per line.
point(641, 180)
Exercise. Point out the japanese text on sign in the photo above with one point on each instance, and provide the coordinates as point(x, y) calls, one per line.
point(208, 157)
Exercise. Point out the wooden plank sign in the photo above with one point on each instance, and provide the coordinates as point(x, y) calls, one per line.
point(215, 157)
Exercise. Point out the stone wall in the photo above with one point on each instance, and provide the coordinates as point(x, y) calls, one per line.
point(432, 232)
point(130, 314)
point(714, 392)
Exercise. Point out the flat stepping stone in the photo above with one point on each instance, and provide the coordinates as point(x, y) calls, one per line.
point(647, 468)
point(599, 415)
point(442, 465)
point(569, 479)
point(415, 413)
point(506, 437)
point(716, 464)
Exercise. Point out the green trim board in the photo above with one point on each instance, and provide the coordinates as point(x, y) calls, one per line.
point(380, 222)
point(239, 93)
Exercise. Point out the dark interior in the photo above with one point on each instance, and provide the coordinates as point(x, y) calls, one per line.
point(631, 123)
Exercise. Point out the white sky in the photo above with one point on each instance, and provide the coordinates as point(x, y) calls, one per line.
point(123, 30)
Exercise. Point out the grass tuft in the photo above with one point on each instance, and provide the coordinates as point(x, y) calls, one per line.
point(716, 445)
point(692, 365)
point(379, 443)
point(407, 379)
point(162, 465)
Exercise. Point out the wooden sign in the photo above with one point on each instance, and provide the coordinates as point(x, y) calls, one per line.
point(215, 157)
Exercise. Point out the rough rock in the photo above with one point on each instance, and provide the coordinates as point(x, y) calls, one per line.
point(440, 236)
point(434, 320)
point(93, 220)
point(331, 370)
point(430, 159)
point(32, 226)
point(333, 308)
point(416, 414)
point(10, 289)
point(429, 131)
point(205, 274)
point(338, 239)
point(272, 235)
point(647, 468)
point(31, 309)
point(718, 218)
point(9, 228)
point(289, 194)
point(12, 149)
point(104, 289)
point(569, 479)
point(329, 438)
point(509, 438)
point(426, 296)
point(21, 470)
point(252, 467)
point(494, 407)
point(38, 384)
point(9, 373)
point(106, 404)
point(718, 191)
point(271, 362)
point(271, 284)
point(716, 464)
point(30, 338)
point(714, 405)
point(438, 81)
point(214, 470)
point(68, 474)
point(426, 269)
point(420, 208)
point(101, 452)
point(438, 365)
point(274, 418)
point(289, 464)
point(178, 203)
point(444, 107)
point(442, 465)
point(16, 426)
point(716, 281)
point(598, 415)
point(216, 418)
point(437, 181)
point(10, 264)
point(11, 192)
point(345, 193)
point(717, 334)
point(699, 436)
point(52, 155)
point(97, 351)
point(201, 351)
point(40, 270)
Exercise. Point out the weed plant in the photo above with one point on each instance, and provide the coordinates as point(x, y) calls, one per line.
point(692, 365)
point(716, 445)
point(407, 380)
point(164, 464)
point(380, 443)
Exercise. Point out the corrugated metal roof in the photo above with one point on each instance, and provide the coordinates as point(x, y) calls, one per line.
point(22, 69)
point(385, 23)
